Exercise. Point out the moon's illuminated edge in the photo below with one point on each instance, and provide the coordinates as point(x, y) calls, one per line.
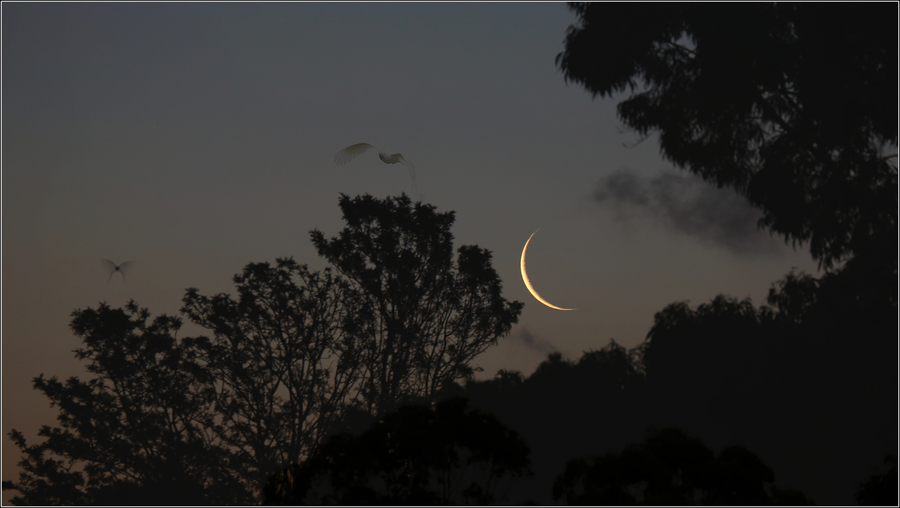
point(528, 283)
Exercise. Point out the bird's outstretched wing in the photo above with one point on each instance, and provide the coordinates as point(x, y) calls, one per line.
point(109, 265)
point(351, 152)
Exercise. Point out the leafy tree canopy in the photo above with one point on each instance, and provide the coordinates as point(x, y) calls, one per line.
point(670, 468)
point(779, 379)
point(426, 315)
point(790, 104)
point(450, 454)
point(139, 423)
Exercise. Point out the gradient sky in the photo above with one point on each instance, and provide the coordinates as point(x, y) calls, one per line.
point(192, 139)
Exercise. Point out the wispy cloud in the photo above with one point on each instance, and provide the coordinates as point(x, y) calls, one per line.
point(530, 340)
point(689, 205)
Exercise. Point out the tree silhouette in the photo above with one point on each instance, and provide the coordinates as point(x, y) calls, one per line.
point(151, 493)
point(283, 358)
point(450, 454)
point(425, 316)
point(566, 407)
point(670, 468)
point(141, 421)
point(807, 382)
point(791, 105)
point(819, 366)
point(713, 349)
point(880, 488)
point(294, 357)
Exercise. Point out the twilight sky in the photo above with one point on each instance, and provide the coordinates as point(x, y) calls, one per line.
point(192, 139)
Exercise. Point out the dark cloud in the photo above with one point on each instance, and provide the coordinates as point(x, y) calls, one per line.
point(534, 342)
point(622, 186)
point(689, 205)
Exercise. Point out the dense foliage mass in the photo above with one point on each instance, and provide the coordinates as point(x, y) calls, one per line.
point(670, 468)
point(793, 105)
point(449, 454)
point(806, 382)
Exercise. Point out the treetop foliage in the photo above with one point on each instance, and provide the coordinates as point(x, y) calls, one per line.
point(437, 315)
point(790, 104)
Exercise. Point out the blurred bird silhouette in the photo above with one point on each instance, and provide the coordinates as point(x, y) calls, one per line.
point(351, 152)
point(112, 268)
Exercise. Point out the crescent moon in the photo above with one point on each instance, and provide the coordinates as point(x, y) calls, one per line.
point(528, 283)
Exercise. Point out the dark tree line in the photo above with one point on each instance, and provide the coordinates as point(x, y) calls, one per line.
point(805, 383)
point(779, 405)
point(670, 468)
point(449, 454)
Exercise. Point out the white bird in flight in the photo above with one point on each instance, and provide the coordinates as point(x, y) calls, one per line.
point(113, 268)
point(351, 152)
